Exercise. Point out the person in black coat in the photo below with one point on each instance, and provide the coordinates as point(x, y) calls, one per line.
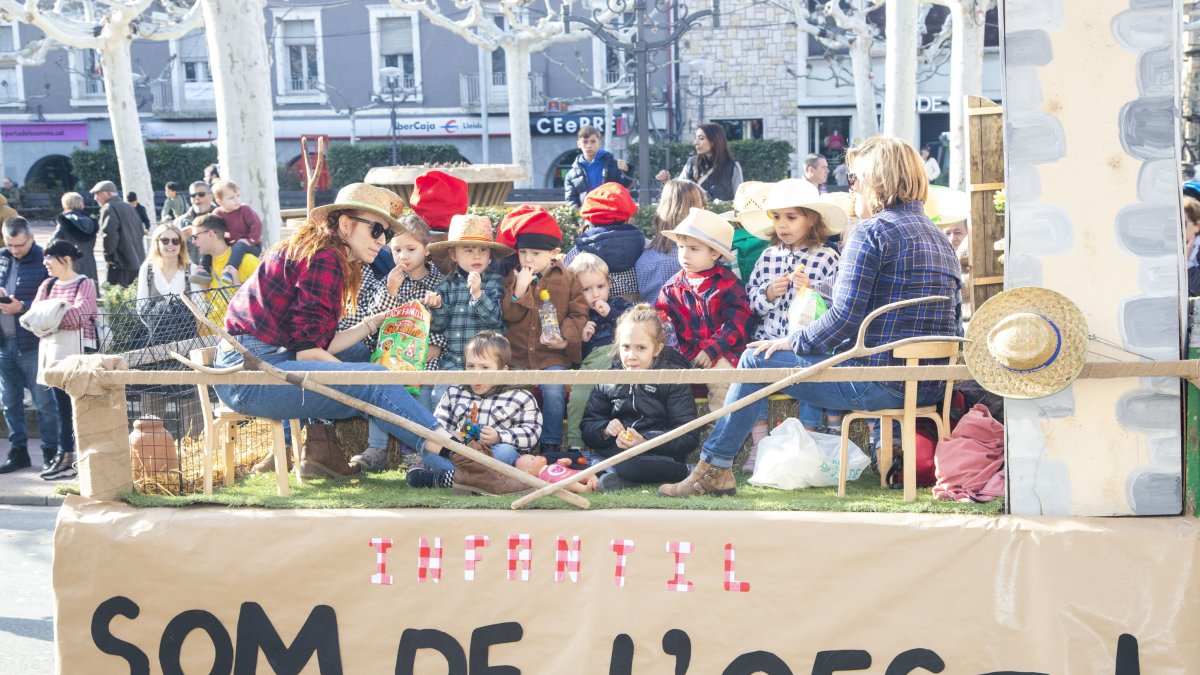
point(592, 168)
point(78, 228)
point(132, 198)
point(619, 416)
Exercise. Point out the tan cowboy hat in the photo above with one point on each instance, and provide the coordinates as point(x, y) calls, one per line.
point(708, 228)
point(363, 197)
point(749, 199)
point(945, 206)
point(794, 193)
point(471, 230)
point(1026, 343)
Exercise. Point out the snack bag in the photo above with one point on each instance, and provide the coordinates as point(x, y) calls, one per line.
point(806, 307)
point(403, 339)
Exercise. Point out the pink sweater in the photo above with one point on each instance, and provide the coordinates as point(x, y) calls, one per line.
point(970, 464)
point(241, 223)
point(80, 294)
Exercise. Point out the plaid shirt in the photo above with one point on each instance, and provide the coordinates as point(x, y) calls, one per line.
point(410, 290)
point(290, 303)
point(461, 317)
point(711, 317)
point(819, 264)
point(372, 286)
point(513, 413)
point(895, 255)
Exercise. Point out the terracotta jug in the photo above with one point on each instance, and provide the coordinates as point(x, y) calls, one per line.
point(152, 446)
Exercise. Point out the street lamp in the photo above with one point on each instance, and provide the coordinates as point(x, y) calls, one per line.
point(654, 16)
point(391, 75)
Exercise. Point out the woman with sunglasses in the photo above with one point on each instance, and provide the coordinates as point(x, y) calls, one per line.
point(165, 270)
point(287, 314)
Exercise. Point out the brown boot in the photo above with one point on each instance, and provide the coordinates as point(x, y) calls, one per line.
point(321, 456)
point(705, 479)
point(472, 477)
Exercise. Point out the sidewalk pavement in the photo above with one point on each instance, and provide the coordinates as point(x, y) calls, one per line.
point(25, 487)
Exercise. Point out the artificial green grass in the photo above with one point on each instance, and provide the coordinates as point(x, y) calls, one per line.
point(387, 490)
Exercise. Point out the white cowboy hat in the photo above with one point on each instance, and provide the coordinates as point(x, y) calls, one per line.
point(794, 193)
point(1026, 343)
point(749, 199)
point(945, 206)
point(708, 228)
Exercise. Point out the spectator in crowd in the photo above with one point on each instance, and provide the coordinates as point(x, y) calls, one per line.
point(243, 229)
point(1191, 227)
point(608, 232)
point(840, 178)
point(77, 227)
point(212, 173)
point(123, 231)
point(175, 205)
point(932, 169)
point(132, 198)
point(895, 253)
point(6, 211)
point(165, 270)
point(1189, 172)
point(21, 272)
point(202, 203)
point(209, 235)
point(288, 312)
point(62, 333)
point(816, 171)
point(593, 167)
point(659, 262)
point(10, 191)
point(712, 167)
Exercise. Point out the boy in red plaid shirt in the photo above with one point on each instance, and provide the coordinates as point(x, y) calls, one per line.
point(705, 301)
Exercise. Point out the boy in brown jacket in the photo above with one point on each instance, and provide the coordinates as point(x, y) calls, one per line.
point(538, 240)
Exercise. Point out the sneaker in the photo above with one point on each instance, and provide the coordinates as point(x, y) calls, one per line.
point(611, 482)
point(229, 279)
point(371, 459)
point(430, 478)
point(411, 461)
point(62, 467)
point(202, 279)
point(48, 455)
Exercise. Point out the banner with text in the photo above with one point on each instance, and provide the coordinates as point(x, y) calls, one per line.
point(200, 590)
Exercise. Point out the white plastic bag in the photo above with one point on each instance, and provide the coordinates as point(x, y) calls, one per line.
point(792, 457)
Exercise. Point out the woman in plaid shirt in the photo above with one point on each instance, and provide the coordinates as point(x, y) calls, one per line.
point(895, 253)
point(287, 314)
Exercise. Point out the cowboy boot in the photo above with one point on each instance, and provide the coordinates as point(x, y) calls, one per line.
point(320, 455)
point(705, 479)
point(473, 477)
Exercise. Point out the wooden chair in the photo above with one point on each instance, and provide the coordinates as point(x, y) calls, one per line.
point(219, 425)
point(907, 416)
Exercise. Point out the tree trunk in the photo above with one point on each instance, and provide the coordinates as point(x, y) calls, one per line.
point(966, 77)
point(864, 87)
point(241, 72)
point(900, 66)
point(517, 63)
point(117, 68)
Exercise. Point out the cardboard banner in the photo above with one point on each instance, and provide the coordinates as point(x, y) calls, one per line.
point(200, 590)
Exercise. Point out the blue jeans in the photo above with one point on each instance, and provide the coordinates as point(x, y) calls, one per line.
point(554, 410)
point(291, 402)
point(18, 371)
point(359, 352)
point(502, 451)
point(815, 398)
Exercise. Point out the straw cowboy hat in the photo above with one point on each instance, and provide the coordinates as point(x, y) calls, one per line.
point(794, 193)
point(708, 228)
point(363, 197)
point(1026, 343)
point(471, 230)
point(945, 206)
point(749, 200)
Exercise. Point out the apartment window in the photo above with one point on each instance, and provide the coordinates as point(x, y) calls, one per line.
point(87, 79)
point(192, 51)
point(396, 48)
point(499, 63)
point(300, 45)
point(10, 76)
point(737, 130)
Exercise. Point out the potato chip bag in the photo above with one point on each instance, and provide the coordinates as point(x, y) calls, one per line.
point(403, 339)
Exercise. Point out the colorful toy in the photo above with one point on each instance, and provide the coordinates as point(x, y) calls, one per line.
point(471, 428)
point(536, 465)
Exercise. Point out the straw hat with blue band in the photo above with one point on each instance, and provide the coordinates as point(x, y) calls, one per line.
point(706, 227)
point(1026, 343)
point(363, 197)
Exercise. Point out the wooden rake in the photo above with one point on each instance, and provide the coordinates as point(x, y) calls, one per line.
point(858, 351)
point(300, 379)
point(312, 170)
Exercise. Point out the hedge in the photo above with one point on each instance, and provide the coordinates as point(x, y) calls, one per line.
point(350, 163)
point(761, 160)
point(167, 161)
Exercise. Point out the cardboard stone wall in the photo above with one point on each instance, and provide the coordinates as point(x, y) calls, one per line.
point(1091, 131)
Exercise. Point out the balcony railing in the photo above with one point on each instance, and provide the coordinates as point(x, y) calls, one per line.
point(195, 100)
point(468, 89)
point(93, 86)
point(406, 83)
point(302, 85)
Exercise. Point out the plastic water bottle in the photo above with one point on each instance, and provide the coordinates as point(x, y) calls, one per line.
point(669, 338)
point(549, 316)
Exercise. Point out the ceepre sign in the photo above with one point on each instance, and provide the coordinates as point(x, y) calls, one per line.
point(555, 125)
point(201, 590)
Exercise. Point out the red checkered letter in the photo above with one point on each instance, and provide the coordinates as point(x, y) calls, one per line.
point(429, 560)
point(680, 549)
point(622, 547)
point(473, 553)
point(520, 555)
point(381, 546)
point(566, 559)
point(731, 583)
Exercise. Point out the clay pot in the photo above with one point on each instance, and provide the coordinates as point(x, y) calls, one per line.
point(152, 446)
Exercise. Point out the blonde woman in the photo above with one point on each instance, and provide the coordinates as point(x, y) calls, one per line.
point(165, 270)
point(659, 262)
point(895, 253)
point(76, 227)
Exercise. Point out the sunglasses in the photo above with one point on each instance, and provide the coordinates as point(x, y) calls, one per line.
point(197, 235)
point(197, 194)
point(169, 241)
point(377, 229)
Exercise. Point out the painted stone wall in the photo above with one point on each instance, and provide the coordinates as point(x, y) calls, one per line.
point(1091, 133)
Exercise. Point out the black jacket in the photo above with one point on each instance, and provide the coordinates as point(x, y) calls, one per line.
point(79, 228)
point(651, 409)
point(31, 272)
point(575, 185)
point(619, 245)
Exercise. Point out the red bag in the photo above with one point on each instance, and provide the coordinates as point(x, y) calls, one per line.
point(926, 444)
